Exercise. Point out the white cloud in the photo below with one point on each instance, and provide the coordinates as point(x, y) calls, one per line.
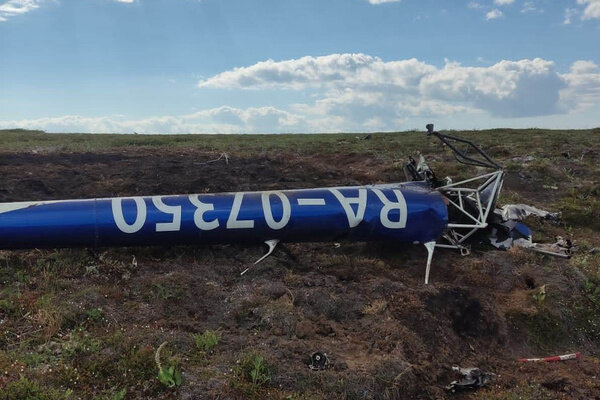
point(503, 2)
point(493, 14)
point(529, 7)
point(13, 8)
point(474, 5)
point(326, 71)
point(591, 10)
point(405, 87)
point(569, 14)
point(506, 89)
point(583, 86)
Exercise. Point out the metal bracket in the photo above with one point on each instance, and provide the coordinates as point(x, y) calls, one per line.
point(272, 244)
point(430, 246)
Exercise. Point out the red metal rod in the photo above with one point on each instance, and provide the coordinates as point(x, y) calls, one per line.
point(573, 356)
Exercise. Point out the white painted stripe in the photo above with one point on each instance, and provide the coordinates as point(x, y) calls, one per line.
point(311, 202)
point(8, 207)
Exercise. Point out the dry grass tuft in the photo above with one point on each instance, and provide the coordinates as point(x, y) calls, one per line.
point(374, 308)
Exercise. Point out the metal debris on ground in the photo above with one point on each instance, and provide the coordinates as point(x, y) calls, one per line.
point(506, 230)
point(572, 356)
point(318, 361)
point(518, 212)
point(224, 156)
point(473, 378)
point(523, 159)
point(561, 248)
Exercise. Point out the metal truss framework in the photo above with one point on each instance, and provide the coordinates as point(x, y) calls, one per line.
point(472, 200)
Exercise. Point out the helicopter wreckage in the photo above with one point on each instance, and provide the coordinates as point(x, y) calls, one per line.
point(422, 210)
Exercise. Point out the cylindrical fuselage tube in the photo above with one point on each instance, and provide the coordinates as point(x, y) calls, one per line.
point(403, 212)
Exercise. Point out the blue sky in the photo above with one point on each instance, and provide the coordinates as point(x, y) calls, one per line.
point(254, 66)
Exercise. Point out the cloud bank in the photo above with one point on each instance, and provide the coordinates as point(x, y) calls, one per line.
point(358, 92)
point(506, 89)
point(215, 120)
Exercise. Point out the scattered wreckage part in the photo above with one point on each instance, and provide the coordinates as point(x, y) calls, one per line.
point(572, 356)
point(472, 378)
point(561, 248)
point(271, 244)
point(430, 246)
point(507, 231)
point(418, 172)
point(502, 235)
point(558, 249)
point(318, 361)
point(453, 243)
point(222, 156)
point(518, 212)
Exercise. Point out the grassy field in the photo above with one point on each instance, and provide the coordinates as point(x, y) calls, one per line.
point(389, 144)
point(93, 323)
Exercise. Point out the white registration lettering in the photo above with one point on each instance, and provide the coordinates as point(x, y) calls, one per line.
point(201, 208)
point(287, 210)
point(311, 202)
point(353, 218)
point(140, 218)
point(233, 222)
point(175, 211)
point(388, 206)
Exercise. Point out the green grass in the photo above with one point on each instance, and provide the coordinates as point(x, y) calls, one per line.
point(24, 389)
point(543, 331)
point(252, 373)
point(499, 142)
point(207, 340)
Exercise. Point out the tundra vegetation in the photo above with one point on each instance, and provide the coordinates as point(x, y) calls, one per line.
point(88, 323)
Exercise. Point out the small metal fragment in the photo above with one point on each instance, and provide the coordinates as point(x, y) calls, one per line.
point(473, 378)
point(318, 361)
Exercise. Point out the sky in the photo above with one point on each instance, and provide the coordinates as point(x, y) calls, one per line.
point(279, 66)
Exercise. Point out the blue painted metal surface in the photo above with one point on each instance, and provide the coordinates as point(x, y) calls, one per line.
point(403, 212)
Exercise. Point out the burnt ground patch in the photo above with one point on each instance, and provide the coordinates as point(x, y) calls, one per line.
point(466, 313)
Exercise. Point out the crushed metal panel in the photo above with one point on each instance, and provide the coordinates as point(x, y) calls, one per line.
point(518, 212)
